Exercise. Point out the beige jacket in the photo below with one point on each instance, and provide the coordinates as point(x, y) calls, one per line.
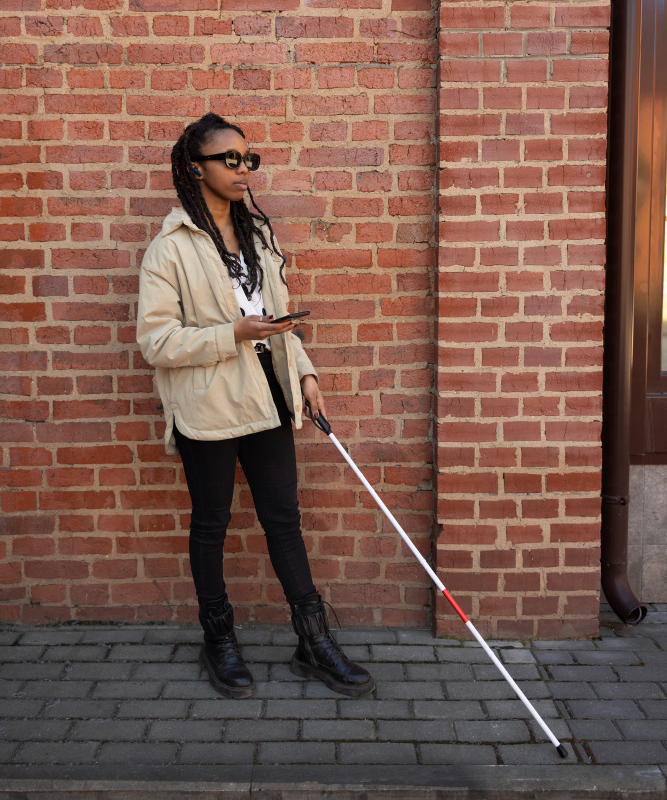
point(213, 387)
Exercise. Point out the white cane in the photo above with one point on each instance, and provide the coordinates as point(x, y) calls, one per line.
point(324, 426)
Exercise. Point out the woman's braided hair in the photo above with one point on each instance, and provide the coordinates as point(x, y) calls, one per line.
point(185, 151)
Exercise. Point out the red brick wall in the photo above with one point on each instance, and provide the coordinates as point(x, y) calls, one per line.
point(522, 138)
point(342, 111)
point(352, 105)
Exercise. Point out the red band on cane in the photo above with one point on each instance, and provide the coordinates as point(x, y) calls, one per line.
point(455, 605)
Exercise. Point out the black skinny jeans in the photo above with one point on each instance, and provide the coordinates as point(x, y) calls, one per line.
point(269, 464)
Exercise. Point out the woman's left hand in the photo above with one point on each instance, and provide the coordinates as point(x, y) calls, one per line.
point(311, 392)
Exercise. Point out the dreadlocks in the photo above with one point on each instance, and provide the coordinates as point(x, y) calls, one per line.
point(185, 151)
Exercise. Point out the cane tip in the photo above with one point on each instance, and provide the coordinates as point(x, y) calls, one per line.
point(562, 752)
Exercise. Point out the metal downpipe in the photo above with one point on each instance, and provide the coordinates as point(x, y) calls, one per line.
point(619, 307)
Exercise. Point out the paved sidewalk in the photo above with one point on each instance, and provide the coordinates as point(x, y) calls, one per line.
point(123, 711)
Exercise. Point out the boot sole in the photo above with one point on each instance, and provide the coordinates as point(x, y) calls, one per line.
point(308, 671)
point(237, 692)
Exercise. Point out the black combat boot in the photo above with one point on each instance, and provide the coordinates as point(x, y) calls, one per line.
point(319, 655)
point(220, 656)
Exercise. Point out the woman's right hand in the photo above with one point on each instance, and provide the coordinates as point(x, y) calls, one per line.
point(258, 328)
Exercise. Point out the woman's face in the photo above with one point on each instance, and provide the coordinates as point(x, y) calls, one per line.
point(216, 176)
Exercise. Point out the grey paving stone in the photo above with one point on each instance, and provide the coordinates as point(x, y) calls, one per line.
point(377, 753)
point(226, 708)
point(9, 637)
point(385, 670)
point(185, 730)
point(517, 656)
point(174, 636)
point(338, 729)
point(281, 672)
point(373, 709)
point(76, 652)
point(604, 709)
point(520, 672)
point(50, 636)
point(559, 728)
point(267, 653)
point(457, 754)
point(296, 753)
point(61, 689)
point(643, 728)
point(635, 643)
point(115, 635)
point(553, 656)
point(402, 652)
point(257, 730)
point(423, 636)
point(634, 691)
point(7, 750)
point(415, 730)
point(255, 634)
point(9, 688)
point(628, 752)
point(600, 729)
point(78, 709)
point(577, 673)
point(439, 672)
point(491, 731)
point(125, 690)
point(569, 690)
point(368, 636)
point(109, 730)
point(654, 709)
point(57, 753)
point(556, 644)
point(300, 709)
point(189, 690)
point(278, 690)
point(40, 730)
point(141, 652)
point(652, 672)
point(448, 709)
point(97, 672)
point(412, 690)
point(153, 709)
point(462, 655)
point(20, 707)
point(137, 753)
point(480, 690)
point(534, 753)
point(207, 753)
point(515, 709)
point(167, 672)
point(281, 638)
point(316, 690)
point(186, 653)
point(608, 657)
point(9, 655)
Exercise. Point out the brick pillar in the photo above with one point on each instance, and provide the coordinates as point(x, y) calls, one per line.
point(522, 136)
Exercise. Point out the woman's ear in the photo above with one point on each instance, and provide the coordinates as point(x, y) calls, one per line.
point(196, 171)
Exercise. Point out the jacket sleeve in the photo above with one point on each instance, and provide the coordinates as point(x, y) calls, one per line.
point(304, 365)
point(163, 338)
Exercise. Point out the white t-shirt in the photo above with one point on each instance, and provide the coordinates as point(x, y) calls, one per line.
point(252, 305)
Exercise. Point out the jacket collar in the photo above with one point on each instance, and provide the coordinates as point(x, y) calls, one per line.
point(179, 216)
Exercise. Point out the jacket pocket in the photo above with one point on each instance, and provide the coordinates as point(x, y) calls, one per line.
point(201, 378)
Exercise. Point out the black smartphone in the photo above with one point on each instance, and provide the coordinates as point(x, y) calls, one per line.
point(289, 317)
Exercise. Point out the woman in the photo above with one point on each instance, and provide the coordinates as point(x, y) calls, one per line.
point(231, 383)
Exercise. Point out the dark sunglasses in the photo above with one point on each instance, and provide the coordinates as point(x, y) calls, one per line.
point(233, 158)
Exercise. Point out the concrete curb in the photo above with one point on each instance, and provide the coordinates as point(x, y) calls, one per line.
point(565, 782)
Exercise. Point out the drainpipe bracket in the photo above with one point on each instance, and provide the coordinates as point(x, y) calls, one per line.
point(618, 500)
